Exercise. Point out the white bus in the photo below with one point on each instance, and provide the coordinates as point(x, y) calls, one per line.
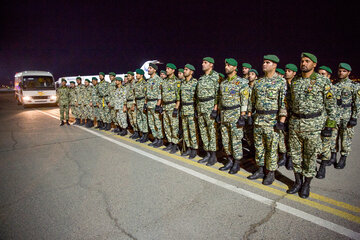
point(34, 87)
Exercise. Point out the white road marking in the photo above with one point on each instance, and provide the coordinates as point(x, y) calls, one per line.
point(285, 208)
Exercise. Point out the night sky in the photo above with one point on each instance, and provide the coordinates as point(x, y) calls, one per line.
point(77, 38)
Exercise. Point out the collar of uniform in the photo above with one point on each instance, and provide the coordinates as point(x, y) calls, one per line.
point(172, 78)
point(232, 78)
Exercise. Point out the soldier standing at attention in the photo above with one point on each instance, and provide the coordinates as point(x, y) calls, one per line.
point(94, 100)
point(130, 105)
point(233, 101)
point(78, 102)
point(103, 92)
point(72, 96)
point(88, 113)
point(187, 93)
point(245, 70)
point(310, 96)
point(152, 105)
point(207, 107)
point(63, 95)
point(163, 74)
point(120, 106)
point(111, 104)
point(268, 101)
point(171, 102)
point(280, 72)
point(181, 74)
point(141, 118)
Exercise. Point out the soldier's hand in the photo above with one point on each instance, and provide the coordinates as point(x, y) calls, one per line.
point(90, 104)
point(175, 112)
point(180, 133)
point(213, 114)
point(280, 126)
point(157, 108)
point(240, 122)
point(326, 132)
point(161, 110)
point(145, 107)
point(109, 105)
point(133, 108)
point(249, 121)
point(352, 122)
point(218, 118)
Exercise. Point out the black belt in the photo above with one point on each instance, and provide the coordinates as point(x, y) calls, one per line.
point(206, 99)
point(187, 103)
point(307, 116)
point(140, 98)
point(266, 112)
point(230, 108)
point(129, 99)
point(346, 105)
point(152, 100)
point(169, 102)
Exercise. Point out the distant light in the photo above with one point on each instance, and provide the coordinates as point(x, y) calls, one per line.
point(26, 98)
point(53, 97)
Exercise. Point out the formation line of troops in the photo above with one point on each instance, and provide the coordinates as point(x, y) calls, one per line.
point(286, 117)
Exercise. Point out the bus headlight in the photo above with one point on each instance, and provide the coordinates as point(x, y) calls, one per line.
point(26, 98)
point(53, 97)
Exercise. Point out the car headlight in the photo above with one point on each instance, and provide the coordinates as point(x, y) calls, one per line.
point(26, 98)
point(53, 97)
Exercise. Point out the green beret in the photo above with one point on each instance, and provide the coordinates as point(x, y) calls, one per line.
point(94, 78)
point(231, 61)
point(272, 58)
point(221, 75)
point(345, 66)
point(209, 59)
point(163, 71)
point(171, 65)
point(102, 73)
point(72, 82)
point(309, 55)
point(181, 70)
point(63, 80)
point(254, 71)
point(189, 66)
point(112, 74)
point(118, 79)
point(281, 71)
point(154, 66)
point(247, 65)
point(139, 71)
point(131, 73)
point(78, 78)
point(291, 67)
point(326, 68)
point(88, 80)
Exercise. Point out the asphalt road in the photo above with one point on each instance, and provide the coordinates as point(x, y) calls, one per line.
point(74, 183)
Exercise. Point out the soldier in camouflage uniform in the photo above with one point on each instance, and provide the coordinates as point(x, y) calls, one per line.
point(130, 104)
point(120, 106)
point(233, 101)
point(310, 96)
point(78, 102)
point(181, 74)
point(111, 104)
point(63, 95)
point(246, 69)
point(268, 103)
point(86, 96)
point(163, 74)
point(152, 105)
point(206, 99)
point(94, 100)
point(72, 99)
point(141, 118)
point(188, 114)
point(280, 72)
point(170, 96)
point(103, 93)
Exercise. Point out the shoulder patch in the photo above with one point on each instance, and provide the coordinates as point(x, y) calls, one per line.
point(178, 85)
point(246, 93)
point(329, 95)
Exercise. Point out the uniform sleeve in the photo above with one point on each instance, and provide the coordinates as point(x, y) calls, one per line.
point(251, 105)
point(356, 102)
point(178, 86)
point(282, 99)
point(216, 89)
point(244, 98)
point(330, 104)
point(158, 86)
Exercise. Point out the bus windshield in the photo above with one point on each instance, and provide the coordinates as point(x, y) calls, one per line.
point(38, 82)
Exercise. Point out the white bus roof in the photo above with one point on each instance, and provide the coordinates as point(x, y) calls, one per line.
point(33, 73)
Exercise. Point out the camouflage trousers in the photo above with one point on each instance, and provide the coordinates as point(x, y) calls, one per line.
point(96, 113)
point(141, 118)
point(171, 127)
point(73, 111)
point(282, 142)
point(132, 117)
point(328, 145)
point(232, 139)
point(88, 111)
point(344, 139)
point(121, 119)
point(113, 116)
point(79, 111)
point(189, 131)
point(249, 134)
point(154, 123)
point(105, 113)
point(266, 147)
point(208, 131)
point(305, 147)
point(64, 109)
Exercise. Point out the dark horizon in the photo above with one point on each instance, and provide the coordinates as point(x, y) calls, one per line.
point(83, 38)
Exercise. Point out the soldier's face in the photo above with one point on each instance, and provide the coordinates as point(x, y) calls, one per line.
point(101, 77)
point(343, 73)
point(187, 72)
point(94, 82)
point(125, 79)
point(163, 75)
point(268, 66)
point(130, 77)
point(111, 77)
point(78, 81)
point(252, 76)
point(138, 76)
point(324, 73)
point(151, 70)
point(229, 69)
point(169, 71)
point(306, 65)
point(245, 70)
point(206, 65)
point(87, 83)
point(181, 75)
point(289, 74)
point(118, 82)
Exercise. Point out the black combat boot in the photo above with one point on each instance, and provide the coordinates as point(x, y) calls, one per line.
point(297, 184)
point(269, 179)
point(282, 159)
point(62, 123)
point(87, 125)
point(132, 135)
point(322, 170)
point(205, 159)
point(102, 125)
point(117, 129)
point(258, 174)
point(168, 147)
point(98, 124)
point(342, 162)
point(186, 153)
point(82, 122)
point(145, 138)
point(332, 159)
point(212, 160)
point(77, 121)
point(236, 167)
point(123, 132)
point(305, 189)
point(228, 165)
point(159, 143)
point(289, 163)
point(67, 122)
point(141, 138)
point(193, 153)
point(137, 135)
point(108, 127)
point(153, 142)
point(174, 149)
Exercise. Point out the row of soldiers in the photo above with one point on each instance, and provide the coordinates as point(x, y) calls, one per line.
point(290, 119)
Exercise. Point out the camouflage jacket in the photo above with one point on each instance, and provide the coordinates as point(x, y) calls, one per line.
point(170, 92)
point(187, 95)
point(139, 90)
point(349, 94)
point(111, 91)
point(95, 96)
point(72, 96)
point(103, 90)
point(207, 88)
point(130, 94)
point(233, 98)
point(153, 91)
point(86, 95)
point(63, 95)
point(268, 94)
point(313, 95)
point(79, 91)
point(120, 98)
